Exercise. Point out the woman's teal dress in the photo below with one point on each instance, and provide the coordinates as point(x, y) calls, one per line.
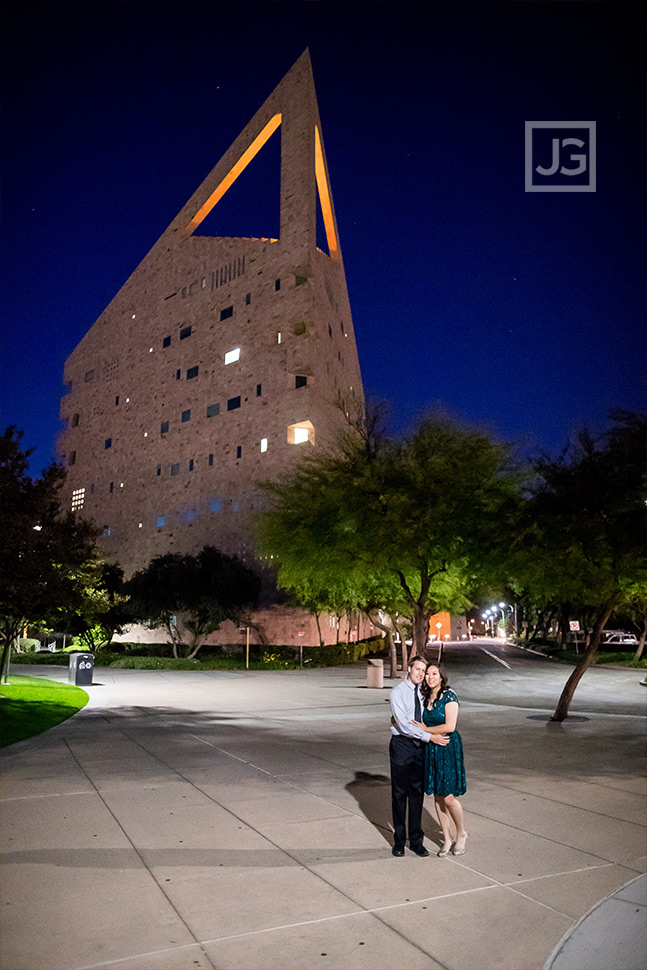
point(444, 766)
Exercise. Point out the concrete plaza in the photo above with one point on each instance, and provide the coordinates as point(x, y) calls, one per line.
point(187, 821)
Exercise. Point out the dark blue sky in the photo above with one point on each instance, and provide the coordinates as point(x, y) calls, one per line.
point(522, 312)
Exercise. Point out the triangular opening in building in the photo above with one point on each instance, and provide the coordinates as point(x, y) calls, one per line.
point(322, 241)
point(251, 206)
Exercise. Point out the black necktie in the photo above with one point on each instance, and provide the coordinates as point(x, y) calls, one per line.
point(418, 709)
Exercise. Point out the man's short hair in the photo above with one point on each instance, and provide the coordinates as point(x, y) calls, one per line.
point(412, 660)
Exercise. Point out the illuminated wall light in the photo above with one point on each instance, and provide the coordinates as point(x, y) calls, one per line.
point(121, 484)
point(232, 356)
point(127, 400)
point(133, 316)
point(150, 350)
point(141, 525)
point(146, 432)
point(263, 444)
point(278, 337)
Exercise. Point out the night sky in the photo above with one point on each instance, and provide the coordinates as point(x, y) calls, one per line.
point(519, 312)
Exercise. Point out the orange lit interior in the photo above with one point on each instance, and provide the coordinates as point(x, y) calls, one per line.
point(324, 196)
point(233, 174)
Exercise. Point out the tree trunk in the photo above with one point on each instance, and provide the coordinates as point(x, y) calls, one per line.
point(641, 646)
point(420, 630)
point(315, 613)
point(564, 702)
point(393, 656)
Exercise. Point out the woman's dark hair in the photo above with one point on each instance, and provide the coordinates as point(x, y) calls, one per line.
point(444, 681)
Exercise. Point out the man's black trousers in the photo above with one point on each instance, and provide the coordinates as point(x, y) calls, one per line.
point(407, 791)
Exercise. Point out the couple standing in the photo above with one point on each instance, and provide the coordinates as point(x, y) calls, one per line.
point(426, 755)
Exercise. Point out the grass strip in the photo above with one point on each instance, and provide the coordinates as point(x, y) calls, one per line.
point(31, 705)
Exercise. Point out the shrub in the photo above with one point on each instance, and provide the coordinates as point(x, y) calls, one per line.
point(29, 644)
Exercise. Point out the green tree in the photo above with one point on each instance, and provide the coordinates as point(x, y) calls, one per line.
point(102, 609)
point(407, 522)
point(590, 524)
point(193, 594)
point(46, 553)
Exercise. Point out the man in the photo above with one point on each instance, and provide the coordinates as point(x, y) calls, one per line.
point(407, 754)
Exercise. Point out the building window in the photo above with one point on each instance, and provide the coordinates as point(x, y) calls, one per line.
point(190, 464)
point(75, 420)
point(232, 356)
point(175, 469)
point(341, 324)
point(239, 451)
point(211, 459)
point(213, 410)
point(329, 330)
point(185, 332)
point(164, 426)
point(112, 485)
point(106, 531)
point(178, 375)
point(216, 505)
point(299, 433)
point(278, 337)
point(186, 415)
point(159, 470)
point(166, 342)
point(108, 443)
point(190, 515)
point(160, 521)
point(71, 459)
point(117, 401)
point(233, 403)
point(248, 299)
point(300, 280)
point(277, 285)
point(263, 444)
point(78, 498)
point(227, 312)
point(191, 373)
point(89, 376)
point(300, 380)
point(259, 390)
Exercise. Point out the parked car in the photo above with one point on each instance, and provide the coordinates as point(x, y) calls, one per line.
point(619, 638)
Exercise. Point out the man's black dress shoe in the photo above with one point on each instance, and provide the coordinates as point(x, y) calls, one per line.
point(420, 850)
point(397, 852)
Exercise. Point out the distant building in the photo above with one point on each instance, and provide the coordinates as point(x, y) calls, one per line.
point(219, 361)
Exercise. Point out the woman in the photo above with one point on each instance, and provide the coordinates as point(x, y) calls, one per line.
point(444, 767)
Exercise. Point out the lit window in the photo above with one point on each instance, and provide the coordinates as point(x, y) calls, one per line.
point(227, 312)
point(141, 524)
point(233, 403)
point(190, 515)
point(175, 469)
point(278, 337)
point(78, 499)
point(213, 410)
point(300, 380)
point(150, 350)
point(160, 521)
point(186, 415)
point(108, 443)
point(263, 444)
point(185, 332)
point(164, 427)
point(299, 433)
point(106, 531)
point(216, 505)
point(191, 373)
point(232, 355)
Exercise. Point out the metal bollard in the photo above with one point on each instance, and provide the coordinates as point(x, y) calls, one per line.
point(375, 674)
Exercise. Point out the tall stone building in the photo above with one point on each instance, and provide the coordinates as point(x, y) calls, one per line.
point(219, 361)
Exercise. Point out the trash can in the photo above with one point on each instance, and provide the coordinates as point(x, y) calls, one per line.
point(375, 674)
point(80, 669)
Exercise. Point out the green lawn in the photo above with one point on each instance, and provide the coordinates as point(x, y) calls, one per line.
point(30, 705)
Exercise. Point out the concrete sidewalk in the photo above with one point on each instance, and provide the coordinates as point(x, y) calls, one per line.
point(187, 821)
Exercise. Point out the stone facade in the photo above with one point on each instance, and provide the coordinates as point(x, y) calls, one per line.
point(218, 363)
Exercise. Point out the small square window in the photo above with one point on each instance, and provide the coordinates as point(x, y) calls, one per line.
point(186, 415)
point(108, 443)
point(166, 342)
point(210, 459)
point(226, 313)
point(160, 521)
point(178, 375)
point(263, 444)
point(232, 356)
point(277, 285)
point(190, 464)
point(233, 403)
point(117, 401)
point(259, 390)
point(89, 376)
point(175, 469)
point(75, 420)
point(185, 332)
point(298, 434)
point(191, 373)
point(239, 451)
point(213, 410)
point(300, 380)
point(216, 505)
point(159, 470)
point(164, 426)
point(248, 299)
point(72, 458)
point(190, 515)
